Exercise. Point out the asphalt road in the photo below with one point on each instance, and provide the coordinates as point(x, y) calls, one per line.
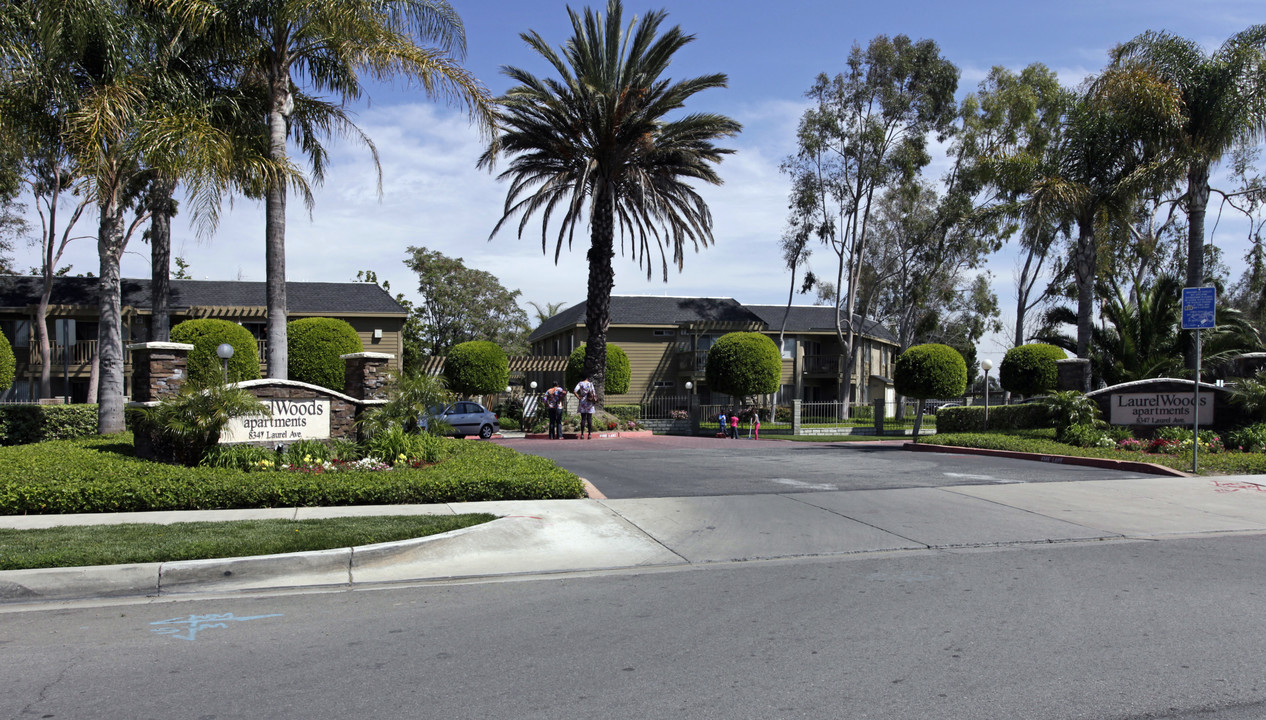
point(1104, 631)
point(668, 466)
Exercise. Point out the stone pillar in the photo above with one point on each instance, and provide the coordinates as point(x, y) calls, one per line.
point(159, 369)
point(366, 375)
point(795, 417)
point(1073, 374)
point(880, 410)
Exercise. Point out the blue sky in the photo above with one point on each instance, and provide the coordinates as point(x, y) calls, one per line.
point(434, 196)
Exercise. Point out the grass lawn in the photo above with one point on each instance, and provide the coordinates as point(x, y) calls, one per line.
point(1043, 441)
point(72, 546)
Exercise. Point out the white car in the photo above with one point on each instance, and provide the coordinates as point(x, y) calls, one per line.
point(466, 418)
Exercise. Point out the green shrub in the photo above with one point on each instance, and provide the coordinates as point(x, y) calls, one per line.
point(1070, 408)
point(619, 372)
point(408, 398)
point(1249, 439)
point(313, 348)
point(508, 423)
point(625, 412)
point(1031, 369)
point(1086, 435)
point(1172, 432)
point(185, 426)
point(394, 446)
point(930, 371)
point(478, 367)
point(205, 366)
point(244, 458)
point(744, 364)
point(1002, 417)
point(22, 424)
point(8, 363)
point(101, 475)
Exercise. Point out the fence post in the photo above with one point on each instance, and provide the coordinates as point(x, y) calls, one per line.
point(795, 417)
point(879, 406)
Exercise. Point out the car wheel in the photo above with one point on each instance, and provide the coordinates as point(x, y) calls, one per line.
point(485, 432)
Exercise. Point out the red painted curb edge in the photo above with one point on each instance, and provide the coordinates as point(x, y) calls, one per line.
point(1126, 465)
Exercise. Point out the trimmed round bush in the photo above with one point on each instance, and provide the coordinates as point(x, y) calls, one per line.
point(314, 346)
point(478, 367)
point(744, 364)
point(1031, 369)
point(930, 371)
point(619, 372)
point(8, 364)
point(205, 366)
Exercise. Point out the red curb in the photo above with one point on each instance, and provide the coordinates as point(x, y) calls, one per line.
point(605, 435)
point(1104, 463)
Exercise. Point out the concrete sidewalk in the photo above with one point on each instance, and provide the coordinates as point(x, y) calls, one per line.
point(584, 535)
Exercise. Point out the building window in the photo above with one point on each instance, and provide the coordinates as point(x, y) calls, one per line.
point(788, 348)
point(665, 384)
point(665, 333)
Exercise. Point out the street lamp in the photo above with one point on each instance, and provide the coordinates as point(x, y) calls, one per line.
point(986, 365)
point(225, 351)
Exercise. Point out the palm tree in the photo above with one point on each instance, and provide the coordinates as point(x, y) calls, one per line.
point(333, 45)
point(1223, 100)
point(129, 122)
point(595, 142)
point(1107, 156)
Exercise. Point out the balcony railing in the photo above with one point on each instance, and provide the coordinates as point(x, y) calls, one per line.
point(81, 353)
point(822, 364)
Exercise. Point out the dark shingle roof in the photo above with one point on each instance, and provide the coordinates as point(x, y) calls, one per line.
point(816, 318)
point(301, 297)
point(654, 310)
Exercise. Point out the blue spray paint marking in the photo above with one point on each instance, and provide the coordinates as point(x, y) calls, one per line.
point(192, 624)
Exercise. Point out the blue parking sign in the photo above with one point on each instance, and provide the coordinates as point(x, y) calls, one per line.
point(1197, 308)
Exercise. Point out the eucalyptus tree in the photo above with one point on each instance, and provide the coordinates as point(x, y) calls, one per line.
point(866, 129)
point(334, 47)
point(1223, 99)
point(122, 129)
point(1017, 117)
point(36, 99)
point(596, 142)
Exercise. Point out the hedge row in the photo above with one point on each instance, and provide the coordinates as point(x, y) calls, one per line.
point(1003, 417)
point(100, 475)
point(22, 424)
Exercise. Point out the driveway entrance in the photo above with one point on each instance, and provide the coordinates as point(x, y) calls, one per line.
point(673, 466)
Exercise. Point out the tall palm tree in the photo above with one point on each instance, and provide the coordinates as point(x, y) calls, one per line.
point(335, 45)
point(1223, 100)
point(1106, 157)
point(595, 142)
point(124, 128)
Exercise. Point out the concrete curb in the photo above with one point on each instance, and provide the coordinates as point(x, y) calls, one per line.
point(315, 568)
point(1102, 463)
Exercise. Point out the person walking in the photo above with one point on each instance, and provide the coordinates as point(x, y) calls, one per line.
point(734, 420)
point(721, 422)
point(555, 398)
point(756, 423)
point(587, 396)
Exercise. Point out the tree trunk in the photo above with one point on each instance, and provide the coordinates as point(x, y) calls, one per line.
point(110, 324)
point(160, 260)
point(1197, 202)
point(601, 282)
point(1085, 261)
point(275, 247)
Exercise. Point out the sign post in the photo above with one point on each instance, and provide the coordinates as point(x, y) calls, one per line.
point(1198, 311)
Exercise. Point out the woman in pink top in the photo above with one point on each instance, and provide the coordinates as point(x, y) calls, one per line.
point(734, 419)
